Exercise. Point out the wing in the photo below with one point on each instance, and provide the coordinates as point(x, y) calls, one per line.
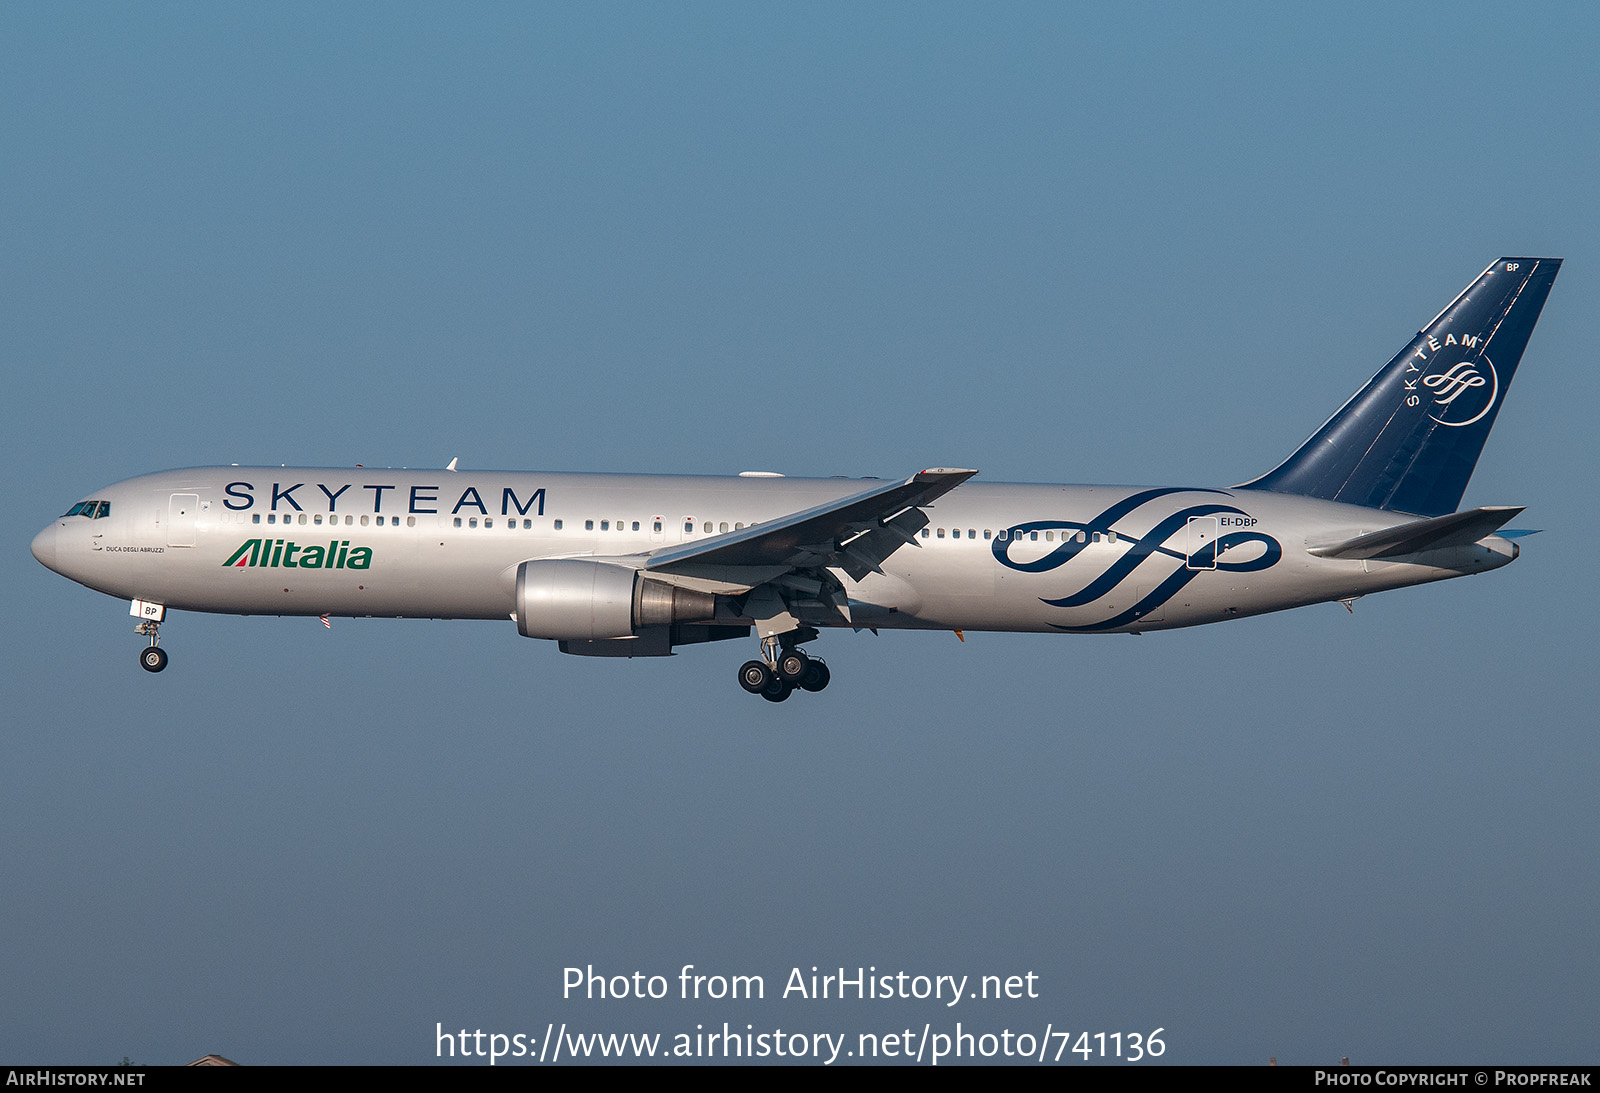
point(854, 533)
point(778, 572)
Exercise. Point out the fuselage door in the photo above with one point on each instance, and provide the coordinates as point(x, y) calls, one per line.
point(658, 529)
point(686, 527)
point(1202, 545)
point(182, 509)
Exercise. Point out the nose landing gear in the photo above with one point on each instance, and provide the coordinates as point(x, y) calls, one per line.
point(153, 658)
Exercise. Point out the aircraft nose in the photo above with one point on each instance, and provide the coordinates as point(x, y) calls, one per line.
point(44, 546)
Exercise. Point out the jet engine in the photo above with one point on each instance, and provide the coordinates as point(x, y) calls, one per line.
point(574, 599)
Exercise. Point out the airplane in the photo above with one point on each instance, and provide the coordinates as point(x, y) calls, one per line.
point(637, 565)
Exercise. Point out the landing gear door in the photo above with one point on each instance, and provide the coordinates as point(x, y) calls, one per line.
point(181, 512)
point(1202, 544)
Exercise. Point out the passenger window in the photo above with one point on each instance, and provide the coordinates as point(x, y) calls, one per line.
point(1049, 536)
point(636, 525)
point(489, 522)
point(723, 526)
point(605, 525)
point(527, 524)
point(255, 518)
point(986, 534)
point(940, 533)
point(924, 533)
point(472, 521)
point(708, 527)
point(558, 525)
point(1033, 536)
point(317, 519)
point(411, 521)
point(272, 518)
point(738, 525)
point(1111, 536)
point(588, 525)
point(458, 521)
point(363, 520)
point(656, 526)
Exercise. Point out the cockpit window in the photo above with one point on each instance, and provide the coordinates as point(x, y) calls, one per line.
point(105, 510)
point(94, 510)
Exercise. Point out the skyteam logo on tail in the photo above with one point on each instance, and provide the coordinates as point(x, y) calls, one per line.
point(1459, 381)
point(1463, 393)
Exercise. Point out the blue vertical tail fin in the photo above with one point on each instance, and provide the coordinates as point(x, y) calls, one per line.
point(1410, 438)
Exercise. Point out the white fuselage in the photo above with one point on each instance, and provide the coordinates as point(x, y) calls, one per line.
point(440, 544)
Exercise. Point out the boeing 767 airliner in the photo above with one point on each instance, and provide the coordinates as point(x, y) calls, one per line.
point(637, 565)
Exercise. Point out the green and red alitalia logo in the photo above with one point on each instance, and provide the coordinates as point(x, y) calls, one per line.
point(286, 554)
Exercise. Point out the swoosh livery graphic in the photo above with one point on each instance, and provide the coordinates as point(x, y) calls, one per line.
point(1209, 557)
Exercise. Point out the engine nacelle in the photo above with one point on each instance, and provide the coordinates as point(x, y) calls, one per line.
point(574, 599)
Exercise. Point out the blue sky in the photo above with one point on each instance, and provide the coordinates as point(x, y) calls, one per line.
point(1145, 244)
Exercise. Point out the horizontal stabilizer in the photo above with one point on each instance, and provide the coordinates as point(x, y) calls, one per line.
point(1456, 529)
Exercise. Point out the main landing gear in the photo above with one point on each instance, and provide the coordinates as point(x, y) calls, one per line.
point(153, 658)
point(784, 668)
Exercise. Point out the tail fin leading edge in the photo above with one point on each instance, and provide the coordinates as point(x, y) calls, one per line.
point(1409, 439)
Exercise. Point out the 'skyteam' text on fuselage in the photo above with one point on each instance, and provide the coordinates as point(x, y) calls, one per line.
point(637, 565)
